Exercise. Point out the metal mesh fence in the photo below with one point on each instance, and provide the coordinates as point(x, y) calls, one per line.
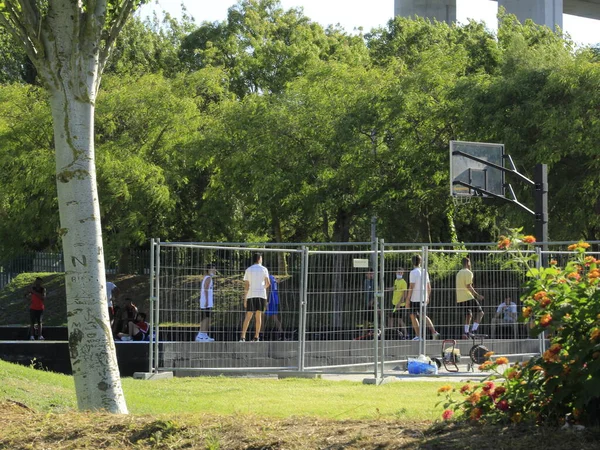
point(332, 314)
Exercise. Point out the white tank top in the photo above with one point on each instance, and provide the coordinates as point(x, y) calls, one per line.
point(203, 300)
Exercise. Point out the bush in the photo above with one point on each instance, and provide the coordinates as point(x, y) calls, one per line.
point(565, 380)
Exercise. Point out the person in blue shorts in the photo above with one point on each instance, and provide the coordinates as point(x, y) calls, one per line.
point(273, 305)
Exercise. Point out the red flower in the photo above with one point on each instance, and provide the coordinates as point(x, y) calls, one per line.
point(502, 405)
point(488, 386)
point(447, 414)
point(545, 302)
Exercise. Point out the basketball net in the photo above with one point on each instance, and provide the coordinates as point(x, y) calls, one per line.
point(461, 200)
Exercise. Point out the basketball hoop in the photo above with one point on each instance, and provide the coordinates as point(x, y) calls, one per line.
point(461, 200)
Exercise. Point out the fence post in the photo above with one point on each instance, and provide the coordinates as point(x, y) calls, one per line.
point(538, 265)
point(376, 289)
point(423, 305)
point(302, 313)
point(382, 301)
point(151, 312)
point(157, 303)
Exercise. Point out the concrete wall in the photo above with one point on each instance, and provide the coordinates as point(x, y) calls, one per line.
point(441, 10)
point(544, 12)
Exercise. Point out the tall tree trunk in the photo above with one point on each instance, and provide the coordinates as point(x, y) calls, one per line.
point(92, 349)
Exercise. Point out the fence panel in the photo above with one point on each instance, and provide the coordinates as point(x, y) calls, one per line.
point(339, 310)
point(180, 276)
point(332, 315)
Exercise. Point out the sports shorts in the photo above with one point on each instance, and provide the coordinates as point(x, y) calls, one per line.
point(256, 304)
point(470, 305)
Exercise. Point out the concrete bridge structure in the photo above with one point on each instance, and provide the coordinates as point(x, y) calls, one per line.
point(543, 12)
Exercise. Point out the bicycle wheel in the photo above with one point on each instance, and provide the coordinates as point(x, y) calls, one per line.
point(477, 354)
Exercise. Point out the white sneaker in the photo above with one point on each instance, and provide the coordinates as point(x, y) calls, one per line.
point(126, 338)
point(208, 338)
point(41, 338)
point(201, 337)
point(416, 338)
point(31, 338)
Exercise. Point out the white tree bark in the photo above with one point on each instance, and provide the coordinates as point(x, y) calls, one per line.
point(69, 41)
point(73, 77)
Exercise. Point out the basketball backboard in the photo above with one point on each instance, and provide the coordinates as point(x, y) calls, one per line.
point(476, 165)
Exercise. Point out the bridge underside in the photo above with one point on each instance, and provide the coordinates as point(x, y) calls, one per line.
point(543, 12)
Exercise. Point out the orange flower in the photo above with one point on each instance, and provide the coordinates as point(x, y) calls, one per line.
point(553, 262)
point(536, 368)
point(540, 295)
point(545, 302)
point(502, 360)
point(476, 414)
point(529, 239)
point(579, 245)
point(549, 356)
point(465, 388)
point(527, 312)
point(445, 388)
point(488, 355)
point(594, 274)
point(590, 260)
point(486, 366)
point(595, 334)
point(500, 390)
point(545, 320)
point(514, 375)
point(555, 348)
point(574, 276)
point(474, 398)
point(504, 244)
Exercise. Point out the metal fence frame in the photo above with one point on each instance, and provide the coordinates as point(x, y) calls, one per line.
point(375, 356)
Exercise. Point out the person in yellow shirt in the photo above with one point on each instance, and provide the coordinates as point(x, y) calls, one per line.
point(466, 298)
point(397, 316)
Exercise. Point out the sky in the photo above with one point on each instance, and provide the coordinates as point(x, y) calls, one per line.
point(368, 14)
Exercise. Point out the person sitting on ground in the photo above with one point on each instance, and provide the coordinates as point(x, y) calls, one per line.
point(131, 313)
point(138, 329)
point(506, 316)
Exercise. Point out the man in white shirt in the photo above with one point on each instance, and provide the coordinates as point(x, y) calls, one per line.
point(256, 283)
point(206, 304)
point(414, 298)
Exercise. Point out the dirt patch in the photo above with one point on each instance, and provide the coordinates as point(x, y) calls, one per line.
point(24, 428)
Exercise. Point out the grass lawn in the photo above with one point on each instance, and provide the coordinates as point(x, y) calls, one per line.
point(38, 410)
point(266, 397)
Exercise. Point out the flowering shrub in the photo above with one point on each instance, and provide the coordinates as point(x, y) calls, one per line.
point(564, 303)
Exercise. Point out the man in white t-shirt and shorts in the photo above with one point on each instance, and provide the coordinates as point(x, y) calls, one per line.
point(413, 298)
point(256, 283)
